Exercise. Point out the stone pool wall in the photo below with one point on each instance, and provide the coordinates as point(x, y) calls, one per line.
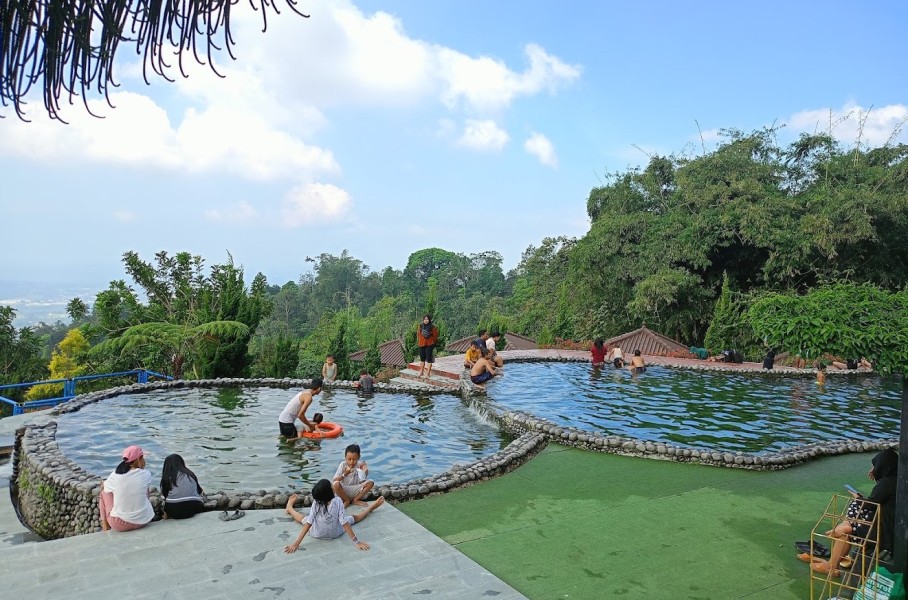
point(57, 498)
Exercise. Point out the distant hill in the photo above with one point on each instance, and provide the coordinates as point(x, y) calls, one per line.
point(38, 301)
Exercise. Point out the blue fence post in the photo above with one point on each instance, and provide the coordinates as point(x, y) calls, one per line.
point(69, 388)
point(18, 409)
point(143, 376)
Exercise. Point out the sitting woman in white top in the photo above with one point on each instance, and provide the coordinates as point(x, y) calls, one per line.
point(123, 502)
point(181, 489)
point(327, 518)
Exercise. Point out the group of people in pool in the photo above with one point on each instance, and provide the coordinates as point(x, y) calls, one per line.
point(123, 503)
point(600, 354)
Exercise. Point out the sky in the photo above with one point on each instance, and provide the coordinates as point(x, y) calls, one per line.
point(386, 127)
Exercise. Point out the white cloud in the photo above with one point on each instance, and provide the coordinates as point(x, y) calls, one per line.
point(875, 126)
point(314, 202)
point(139, 133)
point(126, 216)
point(541, 147)
point(483, 135)
point(369, 59)
point(486, 83)
point(241, 212)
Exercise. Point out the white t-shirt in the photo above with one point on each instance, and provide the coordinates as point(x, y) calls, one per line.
point(490, 343)
point(354, 477)
point(130, 492)
point(328, 524)
point(288, 415)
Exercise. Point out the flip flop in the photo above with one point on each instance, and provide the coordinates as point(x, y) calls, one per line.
point(224, 516)
point(817, 549)
point(238, 514)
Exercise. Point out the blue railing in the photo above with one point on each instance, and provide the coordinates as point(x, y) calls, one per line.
point(69, 388)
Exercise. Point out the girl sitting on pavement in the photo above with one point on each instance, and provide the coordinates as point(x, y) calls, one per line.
point(180, 488)
point(123, 503)
point(327, 518)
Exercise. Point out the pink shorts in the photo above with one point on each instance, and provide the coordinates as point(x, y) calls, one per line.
point(105, 505)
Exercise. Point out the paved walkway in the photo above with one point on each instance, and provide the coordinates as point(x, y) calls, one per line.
point(204, 557)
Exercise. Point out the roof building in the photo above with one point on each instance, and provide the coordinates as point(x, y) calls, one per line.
point(392, 354)
point(646, 341)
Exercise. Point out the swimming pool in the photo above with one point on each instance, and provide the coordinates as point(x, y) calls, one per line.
point(229, 436)
point(724, 411)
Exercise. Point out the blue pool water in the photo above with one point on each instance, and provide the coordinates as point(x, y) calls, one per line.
point(229, 436)
point(725, 411)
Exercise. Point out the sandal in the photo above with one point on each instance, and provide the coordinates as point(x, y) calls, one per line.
point(825, 569)
point(816, 549)
point(238, 514)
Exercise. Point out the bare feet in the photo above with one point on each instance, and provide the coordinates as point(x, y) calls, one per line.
point(104, 525)
point(359, 502)
point(378, 502)
point(291, 501)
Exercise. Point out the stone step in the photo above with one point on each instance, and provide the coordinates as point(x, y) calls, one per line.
point(414, 367)
point(412, 378)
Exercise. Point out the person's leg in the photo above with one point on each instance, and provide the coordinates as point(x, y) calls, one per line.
point(840, 548)
point(430, 360)
point(369, 508)
point(105, 503)
point(365, 488)
point(422, 368)
point(338, 488)
point(292, 511)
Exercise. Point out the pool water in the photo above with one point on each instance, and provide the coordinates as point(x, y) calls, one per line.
point(229, 436)
point(715, 410)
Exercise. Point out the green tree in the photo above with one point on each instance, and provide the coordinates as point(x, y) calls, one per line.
point(20, 354)
point(66, 361)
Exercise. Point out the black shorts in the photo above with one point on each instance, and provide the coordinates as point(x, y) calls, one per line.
point(481, 378)
point(288, 429)
point(183, 510)
point(426, 354)
point(619, 363)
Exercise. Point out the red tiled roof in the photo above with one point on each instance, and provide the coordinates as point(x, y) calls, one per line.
point(519, 342)
point(392, 354)
point(515, 341)
point(460, 345)
point(646, 341)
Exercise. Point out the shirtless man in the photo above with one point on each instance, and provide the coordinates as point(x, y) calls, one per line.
point(296, 409)
point(482, 370)
point(637, 364)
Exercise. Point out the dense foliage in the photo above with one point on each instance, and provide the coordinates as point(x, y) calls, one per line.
point(688, 245)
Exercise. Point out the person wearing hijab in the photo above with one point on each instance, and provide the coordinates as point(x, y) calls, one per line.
point(854, 528)
point(426, 338)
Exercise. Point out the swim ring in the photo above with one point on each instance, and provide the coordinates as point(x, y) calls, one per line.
point(325, 430)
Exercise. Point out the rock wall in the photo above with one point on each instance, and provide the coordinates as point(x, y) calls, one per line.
point(57, 498)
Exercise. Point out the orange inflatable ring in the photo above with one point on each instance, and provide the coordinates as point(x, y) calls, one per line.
point(325, 430)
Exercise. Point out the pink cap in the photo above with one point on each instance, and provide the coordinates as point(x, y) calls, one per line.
point(132, 453)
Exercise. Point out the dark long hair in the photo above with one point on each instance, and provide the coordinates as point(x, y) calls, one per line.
point(598, 343)
point(124, 466)
point(322, 495)
point(173, 466)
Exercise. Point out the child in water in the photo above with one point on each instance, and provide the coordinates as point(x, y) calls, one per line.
point(327, 518)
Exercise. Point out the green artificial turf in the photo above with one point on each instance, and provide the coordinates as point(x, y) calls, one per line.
point(575, 524)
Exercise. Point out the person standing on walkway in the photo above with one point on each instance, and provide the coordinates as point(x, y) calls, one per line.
point(426, 338)
point(123, 503)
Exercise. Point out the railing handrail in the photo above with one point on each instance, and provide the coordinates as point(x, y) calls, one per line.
point(69, 388)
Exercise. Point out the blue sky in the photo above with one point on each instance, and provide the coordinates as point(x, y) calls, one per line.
point(385, 127)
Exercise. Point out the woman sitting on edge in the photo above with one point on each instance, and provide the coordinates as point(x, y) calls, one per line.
point(123, 502)
point(181, 489)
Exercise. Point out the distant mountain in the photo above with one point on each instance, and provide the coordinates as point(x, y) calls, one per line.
point(39, 301)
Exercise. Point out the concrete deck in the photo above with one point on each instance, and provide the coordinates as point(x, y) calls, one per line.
point(205, 557)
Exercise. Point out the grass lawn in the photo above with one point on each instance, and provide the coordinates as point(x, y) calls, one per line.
point(576, 524)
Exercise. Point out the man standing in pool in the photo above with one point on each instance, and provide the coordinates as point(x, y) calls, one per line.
point(296, 409)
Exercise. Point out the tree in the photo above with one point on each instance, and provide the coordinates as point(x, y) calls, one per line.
point(70, 47)
point(20, 354)
point(854, 321)
point(169, 347)
point(65, 362)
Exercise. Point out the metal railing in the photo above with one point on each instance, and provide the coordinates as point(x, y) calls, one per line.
point(69, 388)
